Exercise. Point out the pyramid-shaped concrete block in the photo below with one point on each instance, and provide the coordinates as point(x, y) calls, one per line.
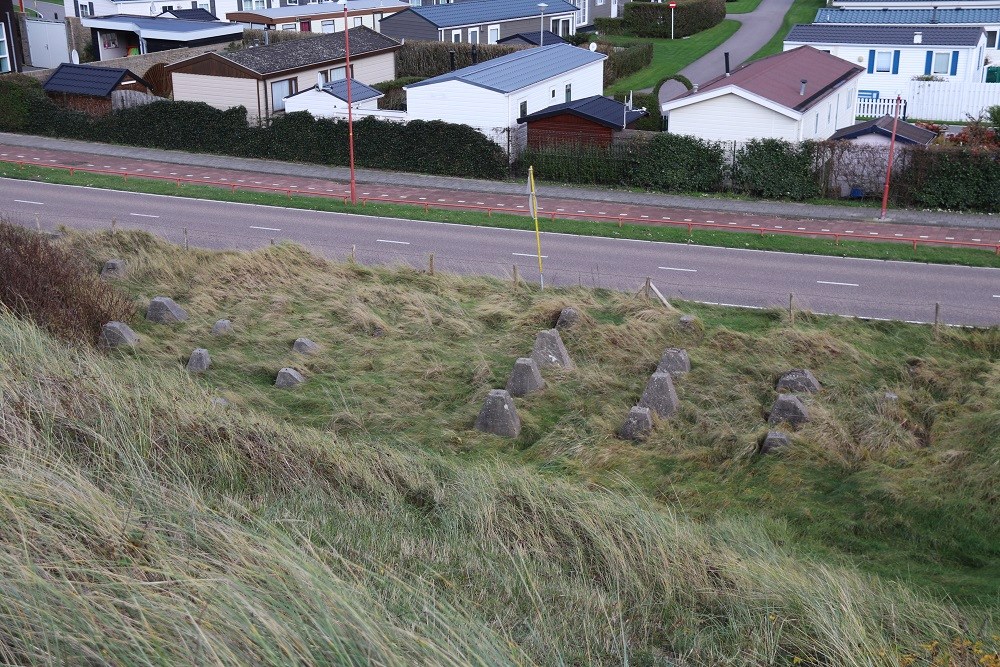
point(798, 380)
point(660, 395)
point(637, 425)
point(550, 351)
point(305, 346)
point(117, 334)
point(288, 378)
point(199, 361)
point(113, 268)
point(525, 378)
point(222, 327)
point(568, 317)
point(499, 416)
point(674, 361)
point(163, 310)
point(788, 409)
point(774, 441)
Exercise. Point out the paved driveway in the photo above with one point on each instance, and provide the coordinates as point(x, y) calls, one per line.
point(756, 29)
point(49, 11)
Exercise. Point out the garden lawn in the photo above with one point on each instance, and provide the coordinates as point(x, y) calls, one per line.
point(801, 11)
point(670, 56)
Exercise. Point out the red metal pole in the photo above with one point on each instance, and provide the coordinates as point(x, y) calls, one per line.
point(892, 153)
point(350, 115)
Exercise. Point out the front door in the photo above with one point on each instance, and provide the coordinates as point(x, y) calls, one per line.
point(305, 26)
point(614, 9)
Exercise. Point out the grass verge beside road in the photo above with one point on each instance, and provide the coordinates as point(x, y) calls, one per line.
point(670, 56)
point(801, 11)
point(884, 250)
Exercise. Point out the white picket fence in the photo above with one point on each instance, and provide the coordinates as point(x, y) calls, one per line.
point(949, 101)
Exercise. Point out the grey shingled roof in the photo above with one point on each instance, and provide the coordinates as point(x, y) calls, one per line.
point(309, 51)
point(548, 37)
point(191, 14)
point(597, 108)
point(488, 11)
point(87, 80)
point(359, 91)
point(905, 132)
point(877, 35)
point(975, 16)
point(520, 69)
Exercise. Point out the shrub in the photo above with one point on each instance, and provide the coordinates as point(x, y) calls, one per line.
point(19, 94)
point(623, 62)
point(775, 169)
point(609, 26)
point(953, 178)
point(192, 126)
point(395, 96)
point(654, 121)
point(424, 59)
point(645, 19)
point(993, 114)
point(56, 288)
point(674, 162)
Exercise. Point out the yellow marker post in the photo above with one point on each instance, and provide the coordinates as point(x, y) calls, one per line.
point(533, 206)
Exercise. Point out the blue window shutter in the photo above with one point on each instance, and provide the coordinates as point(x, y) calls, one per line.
point(929, 62)
point(895, 61)
point(954, 63)
point(871, 61)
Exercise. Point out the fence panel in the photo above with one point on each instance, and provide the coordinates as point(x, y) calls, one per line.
point(950, 100)
point(869, 108)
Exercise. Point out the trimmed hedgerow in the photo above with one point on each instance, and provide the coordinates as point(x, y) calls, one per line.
point(646, 19)
point(623, 62)
point(775, 169)
point(679, 163)
point(426, 59)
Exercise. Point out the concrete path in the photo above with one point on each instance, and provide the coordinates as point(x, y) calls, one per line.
point(756, 29)
point(49, 11)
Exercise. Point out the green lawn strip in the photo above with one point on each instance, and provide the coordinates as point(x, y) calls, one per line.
point(801, 11)
point(885, 250)
point(670, 56)
point(741, 6)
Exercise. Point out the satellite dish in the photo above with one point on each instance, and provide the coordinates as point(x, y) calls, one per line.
point(75, 57)
point(593, 46)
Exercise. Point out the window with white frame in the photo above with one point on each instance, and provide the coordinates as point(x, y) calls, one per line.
point(257, 4)
point(561, 27)
point(288, 26)
point(883, 61)
point(335, 74)
point(991, 39)
point(376, 21)
point(85, 9)
point(292, 2)
point(569, 92)
point(327, 26)
point(456, 35)
point(552, 93)
point(4, 53)
point(523, 109)
point(941, 62)
point(205, 5)
point(280, 90)
point(356, 23)
point(493, 34)
point(849, 96)
point(473, 35)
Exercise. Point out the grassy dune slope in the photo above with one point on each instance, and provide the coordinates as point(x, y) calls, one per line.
point(359, 520)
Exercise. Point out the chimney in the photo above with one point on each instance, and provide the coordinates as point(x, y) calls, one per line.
point(934, 18)
point(694, 88)
point(451, 58)
point(475, 54)
point(802, 88)
point(918, 37)
point(727, 63)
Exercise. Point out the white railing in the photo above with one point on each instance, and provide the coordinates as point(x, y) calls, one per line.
point(880, 107)
point(950, 101)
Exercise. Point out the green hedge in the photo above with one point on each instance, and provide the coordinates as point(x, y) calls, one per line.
point(419, 146)
point(965, 179)
point(681, 164)
point(775, 169)
point(425, 59)
point(623, 62)
point(395, 96)
point(646, 19)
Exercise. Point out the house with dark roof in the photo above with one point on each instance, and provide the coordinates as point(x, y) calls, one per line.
point(537, 38)
point(260, 78)
point(491, 96)
point(329, 100)
point(799, 94)
point(91, 89)
point(481, 21)
point(987, 18)
point(126, 35)
point(914, 4)
point(322, 17)
point(893, 55)
point(878, 131)
point(589, 121)
point(196, 14)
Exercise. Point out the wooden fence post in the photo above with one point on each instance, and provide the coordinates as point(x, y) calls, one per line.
point(430, 264)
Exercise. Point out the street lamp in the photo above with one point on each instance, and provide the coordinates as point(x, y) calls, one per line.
point(541, 24)
point(350, 115)
point(673, 6)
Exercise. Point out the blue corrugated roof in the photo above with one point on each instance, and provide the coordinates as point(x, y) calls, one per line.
point(163, 23)
point(602, 110)
point(929, 16)
point(877, 35)
point(488, 11)
point(521, 69)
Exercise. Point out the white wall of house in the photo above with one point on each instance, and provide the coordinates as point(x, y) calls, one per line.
point(893, 67)
point(151, 7)
point(733, 117)
point(489, 111)
point(322, 104)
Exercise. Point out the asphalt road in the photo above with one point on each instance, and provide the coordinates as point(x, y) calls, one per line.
point(863, 288)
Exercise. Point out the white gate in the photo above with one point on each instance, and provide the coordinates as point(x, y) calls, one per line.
point(47, 43)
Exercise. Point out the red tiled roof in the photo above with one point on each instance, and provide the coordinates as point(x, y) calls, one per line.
point(779, 77)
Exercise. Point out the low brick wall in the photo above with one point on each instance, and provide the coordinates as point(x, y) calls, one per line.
point(140, 64)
